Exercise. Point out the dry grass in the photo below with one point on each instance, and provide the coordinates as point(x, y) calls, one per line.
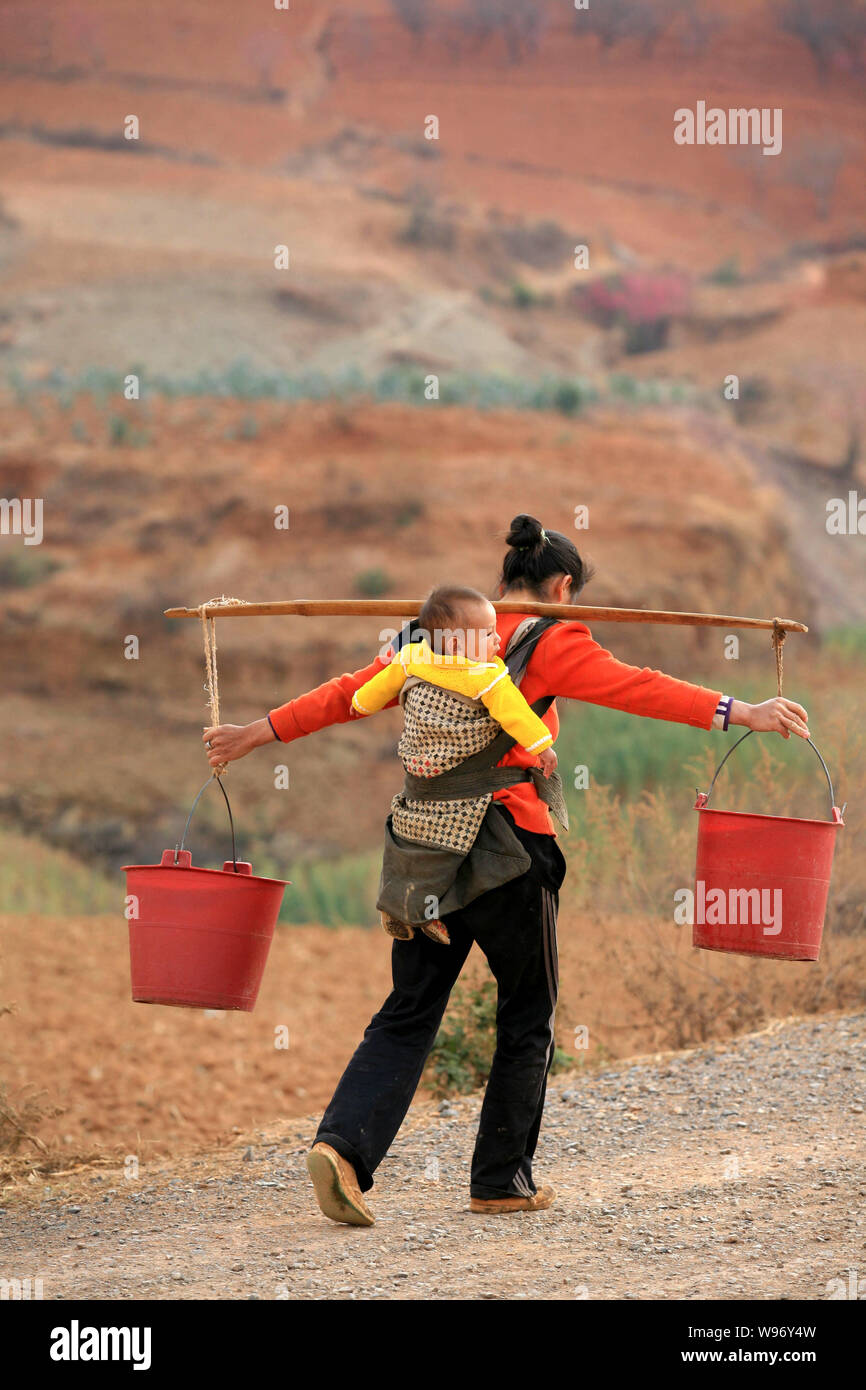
point(17, 1120)
point(628, 858)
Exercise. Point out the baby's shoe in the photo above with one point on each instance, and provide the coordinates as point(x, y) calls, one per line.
point(437, 931)
point(402, 931)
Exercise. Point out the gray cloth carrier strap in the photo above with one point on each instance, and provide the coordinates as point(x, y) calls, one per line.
point(479, 775)
point(460, 786)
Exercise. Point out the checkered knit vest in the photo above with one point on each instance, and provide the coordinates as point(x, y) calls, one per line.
point(442, 729)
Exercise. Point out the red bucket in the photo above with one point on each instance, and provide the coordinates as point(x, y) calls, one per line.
point(761, 882)
point(199, 938)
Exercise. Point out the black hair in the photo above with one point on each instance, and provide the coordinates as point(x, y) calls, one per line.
point(442, 611)
point(535, 555)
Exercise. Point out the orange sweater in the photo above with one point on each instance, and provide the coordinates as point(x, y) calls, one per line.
point(566, 662)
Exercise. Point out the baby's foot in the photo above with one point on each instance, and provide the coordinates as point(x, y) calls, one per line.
point(402, 931)
point(437, 931)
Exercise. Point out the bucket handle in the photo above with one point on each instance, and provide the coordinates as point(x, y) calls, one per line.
point(835, 813)
point(213, 778)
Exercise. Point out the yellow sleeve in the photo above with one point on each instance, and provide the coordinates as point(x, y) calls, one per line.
point(382, 688)
point(507, 706)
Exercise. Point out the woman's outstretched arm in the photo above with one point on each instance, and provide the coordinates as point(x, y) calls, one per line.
point(327, 704)
point(575, 666)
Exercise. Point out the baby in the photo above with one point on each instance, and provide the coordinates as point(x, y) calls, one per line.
point(456, 652)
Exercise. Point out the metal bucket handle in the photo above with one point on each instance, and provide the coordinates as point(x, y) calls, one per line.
point(835, 813)
point(213, 778)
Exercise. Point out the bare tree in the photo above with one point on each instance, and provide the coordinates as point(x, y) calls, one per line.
point(761, 172)
point(815, 165)
point(82, 34)
point(414, 15)
point(264, 52)
point(834, 31)
point(614, 21)
point(520, 23)
point(698, 30)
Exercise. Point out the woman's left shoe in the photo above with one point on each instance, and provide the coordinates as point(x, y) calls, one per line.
point(489, 1206)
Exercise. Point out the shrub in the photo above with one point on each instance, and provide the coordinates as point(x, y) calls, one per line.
point(727, 272)
point(372, 583)
point(426, 225)
point(543, 245)
point(407, 511)
point(463, 1051)
point(523, 296)
point(118, 430)
point(569, 397)
point(755, 393)
point(6, 218)
point(643, 303)
point(247, 429)
point(21, 569)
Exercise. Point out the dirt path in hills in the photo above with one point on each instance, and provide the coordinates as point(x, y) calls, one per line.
point(734, 1170)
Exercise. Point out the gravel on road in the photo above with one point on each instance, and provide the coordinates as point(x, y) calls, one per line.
point(733, 1170)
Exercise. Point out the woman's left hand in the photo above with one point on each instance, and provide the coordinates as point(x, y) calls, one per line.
point(779, 715)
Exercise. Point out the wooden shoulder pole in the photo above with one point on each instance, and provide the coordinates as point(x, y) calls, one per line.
point(411, 607)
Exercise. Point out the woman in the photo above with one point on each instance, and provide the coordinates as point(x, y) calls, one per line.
point(514, 924)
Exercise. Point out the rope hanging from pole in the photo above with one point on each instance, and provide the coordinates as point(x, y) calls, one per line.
point(212, 686)
point(779, 635)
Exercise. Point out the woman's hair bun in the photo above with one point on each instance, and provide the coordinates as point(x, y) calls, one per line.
point(525, 532)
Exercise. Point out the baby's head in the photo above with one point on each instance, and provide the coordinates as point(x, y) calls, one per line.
point(459, 622)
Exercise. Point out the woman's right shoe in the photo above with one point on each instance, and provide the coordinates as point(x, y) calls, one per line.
point(336, 1186)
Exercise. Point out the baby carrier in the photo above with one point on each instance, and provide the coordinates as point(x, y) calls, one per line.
point(470, 845)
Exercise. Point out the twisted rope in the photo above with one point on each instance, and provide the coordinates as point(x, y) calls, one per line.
point(779, 635)
point(212, 686)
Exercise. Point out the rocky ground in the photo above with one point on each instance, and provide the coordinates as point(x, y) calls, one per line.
point(734, 1170)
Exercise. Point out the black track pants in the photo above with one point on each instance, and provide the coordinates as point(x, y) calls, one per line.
point(515, 927)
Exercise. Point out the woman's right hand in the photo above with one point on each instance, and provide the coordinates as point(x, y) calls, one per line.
point(225, 743)
point(779, 715)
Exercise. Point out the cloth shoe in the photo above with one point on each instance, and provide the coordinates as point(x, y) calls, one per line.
point(336, 1186)
point(489, 1206)
point(401, 931)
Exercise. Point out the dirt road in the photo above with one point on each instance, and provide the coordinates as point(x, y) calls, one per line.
point(732, 1171)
